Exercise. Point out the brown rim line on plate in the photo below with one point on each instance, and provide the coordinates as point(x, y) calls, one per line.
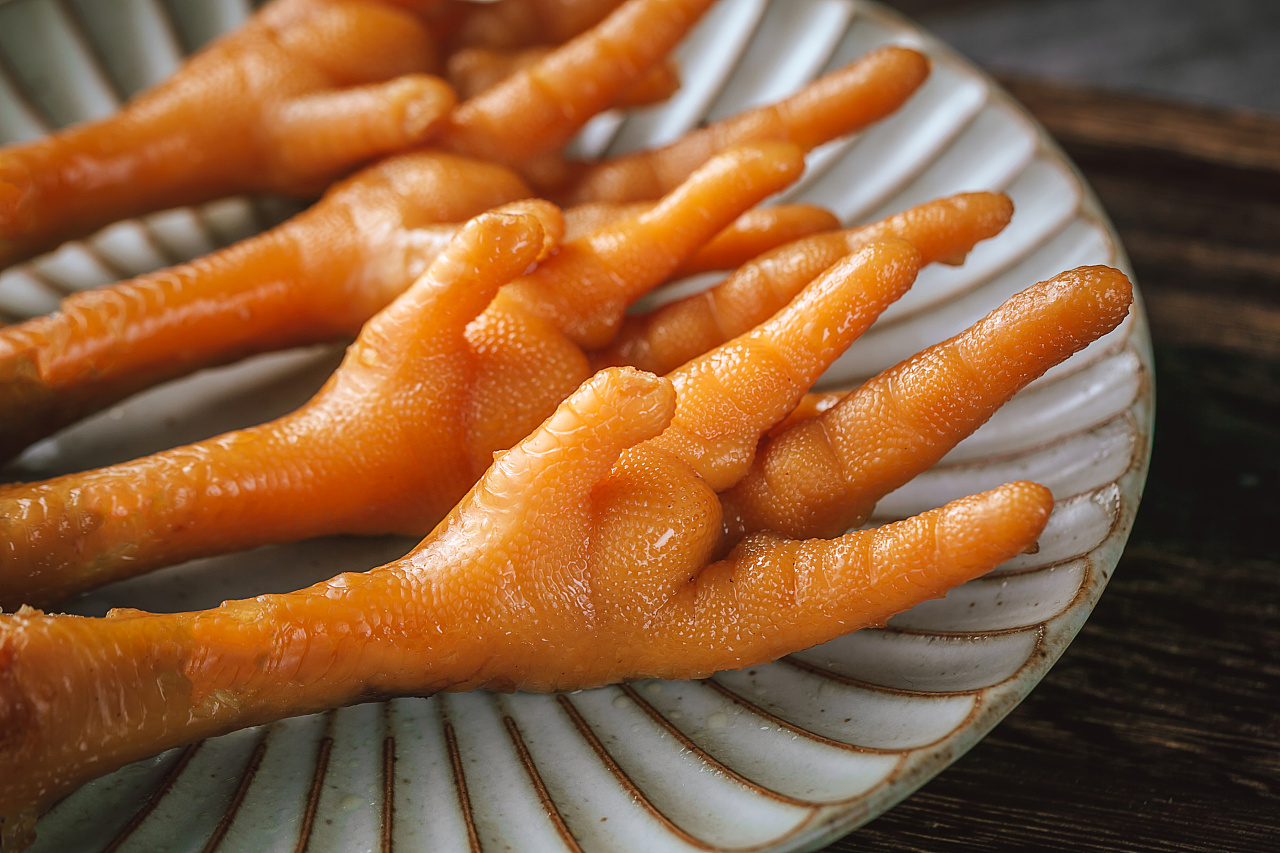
point(781, 757)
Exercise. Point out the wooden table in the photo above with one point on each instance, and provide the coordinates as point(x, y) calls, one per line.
point(1159, 729)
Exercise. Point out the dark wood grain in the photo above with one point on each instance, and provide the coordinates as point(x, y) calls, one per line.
point(1124, 123)
point(1159, 730)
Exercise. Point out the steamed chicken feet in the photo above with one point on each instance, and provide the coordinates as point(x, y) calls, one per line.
point(841, 102)
point(476, 70)
point(80, 530)
point(295, 134)
point(824, 476)
point(411, 418)
point(321, 275)
point(317, 277)
point(755, 232)
point(943, 230)
point(523, 354)
point(552, 99)
point(538, 109)
point(302, 93)
point(582, 557)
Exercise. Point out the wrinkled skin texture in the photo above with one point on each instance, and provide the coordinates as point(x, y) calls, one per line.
point(841, 102)
point(823, 477)
point(476, 70)
point(293, 112)
point(583, 556)
point(943, 230)
point(396, 438)
point(324, 273)
point(317, 277)
point(306, 91)
point(509, 368)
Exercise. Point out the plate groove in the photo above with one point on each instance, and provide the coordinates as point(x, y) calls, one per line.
point(460, 785)
point(242, 789)
point(589, 736)
point(184, 759)
point(531, 768)
point(687, 744)
point(317, 786)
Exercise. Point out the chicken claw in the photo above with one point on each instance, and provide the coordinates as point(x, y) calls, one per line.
point(944, 230)
point(317, 277)
point(321, 275)
point(841, 102)
point(411, 418)
point(583, 556)
point(823, 476)
point(303, 92)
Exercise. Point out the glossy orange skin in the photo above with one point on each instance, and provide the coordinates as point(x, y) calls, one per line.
point(304, 92)
point(317, 277)
point(941, 230)
point(619, 262)
point(562, 545)
point(475, 70)
point(552, 99)
point(841, 102)
point(409, 421)
point(293, 113)
point(752, 234)
point(757, 232)
point(824, 476)
point(285, 287)
point(545, 577)
point(557, 571)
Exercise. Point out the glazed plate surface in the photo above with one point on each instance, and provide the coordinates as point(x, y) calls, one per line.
point(781, 757)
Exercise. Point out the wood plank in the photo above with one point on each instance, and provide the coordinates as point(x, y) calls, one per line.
point(1079, 116)
point(1209, 320)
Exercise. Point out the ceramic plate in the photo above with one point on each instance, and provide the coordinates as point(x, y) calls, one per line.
point(780, 757)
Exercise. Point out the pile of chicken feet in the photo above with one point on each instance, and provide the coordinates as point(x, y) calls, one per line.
point(605, 496)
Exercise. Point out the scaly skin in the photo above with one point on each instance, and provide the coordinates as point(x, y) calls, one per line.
point(618, 263)
point(757, 232)
point(317, 277)
point(823, 477)
point(753, 233)
point(411, 418)
point(548, 102)
point(472, 71)
point(220, 494)
point(942, 230)
point(557, 571)
point(304, 92)
point(516, 366)
point(842, 102)
point(321, 275)
point(334, 109)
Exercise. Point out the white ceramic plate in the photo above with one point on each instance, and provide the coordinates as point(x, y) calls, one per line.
point(781, 757)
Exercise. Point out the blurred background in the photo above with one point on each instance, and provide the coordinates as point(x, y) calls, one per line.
point(1224, 53)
